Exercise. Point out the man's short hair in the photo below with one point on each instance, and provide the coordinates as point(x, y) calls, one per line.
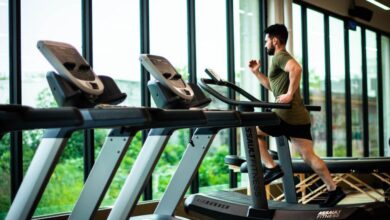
point(279, 31)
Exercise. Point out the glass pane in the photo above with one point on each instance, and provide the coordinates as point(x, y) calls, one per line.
point(386, 92)
point(316, 62)
point(5, 193)
point(337, 71)
point(372, 92)
point(355, 53)
point(168, 38)
point(168, 32)
point(40, 21)
point(211, 53)
point(116, 47)
point(4, 53)
point(247, 46)
point(297, 32)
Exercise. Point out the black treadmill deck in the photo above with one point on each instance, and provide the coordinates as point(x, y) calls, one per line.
point(233, 205)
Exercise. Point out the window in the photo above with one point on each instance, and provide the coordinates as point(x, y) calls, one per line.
point(40, 21)
point(116, 48)
point(297, 33)
point(4, 52)
point(355, 53)
point(168, 32)
point(316, 63)
point(386, 91)
point(337, 71)
point(5, 193)
point(372, 92)
point(212, 53)
point(247, 40)
point(168, 38)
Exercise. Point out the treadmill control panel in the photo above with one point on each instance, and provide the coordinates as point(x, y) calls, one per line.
point(165, 73)
point(68, 62)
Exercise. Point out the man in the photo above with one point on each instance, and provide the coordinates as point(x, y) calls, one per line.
point(283, 80)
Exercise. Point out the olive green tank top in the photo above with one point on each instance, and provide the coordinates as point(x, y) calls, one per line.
point(279, 82)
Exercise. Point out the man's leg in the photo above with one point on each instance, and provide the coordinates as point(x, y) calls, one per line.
point(265, 155)
point(271, 171)
point(305, 148)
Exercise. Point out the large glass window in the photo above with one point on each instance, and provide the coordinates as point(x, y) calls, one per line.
point(316, 63)
point(168, 32)
point(5, 194)
point(168, 38)
point(355, 53)
point(386, 92)
point(116, 48)
point(297, 33)
point(337, 71)
point(4, 52)
point(247, 39)
point(211, 53)
point(372, 92)
point(58, 21)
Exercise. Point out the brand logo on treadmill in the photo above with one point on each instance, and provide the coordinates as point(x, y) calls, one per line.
point(329, 214)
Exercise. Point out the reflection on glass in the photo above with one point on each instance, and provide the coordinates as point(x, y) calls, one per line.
point(168, 38)
point(5, 194)
point(316, 63)
point(248, 40)
point(40, 21)
point(116, 48)
point(372, 92)
point(355, 52)
point(337, 70)
point(386, 92)
point(211, 53)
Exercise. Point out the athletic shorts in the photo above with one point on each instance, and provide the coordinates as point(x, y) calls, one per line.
point(288, 130)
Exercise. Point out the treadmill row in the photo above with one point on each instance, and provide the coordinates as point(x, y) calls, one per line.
point(89, 101)
point(60, 123)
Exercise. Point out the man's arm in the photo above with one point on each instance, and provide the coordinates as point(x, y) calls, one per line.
point(295, 72)
point(255, 68)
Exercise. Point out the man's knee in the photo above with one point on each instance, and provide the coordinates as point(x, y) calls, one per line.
point(260, 133)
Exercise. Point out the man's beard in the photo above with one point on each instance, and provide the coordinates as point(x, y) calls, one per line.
point(270, 51)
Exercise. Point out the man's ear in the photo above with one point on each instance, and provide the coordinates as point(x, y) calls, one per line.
point(275, 41)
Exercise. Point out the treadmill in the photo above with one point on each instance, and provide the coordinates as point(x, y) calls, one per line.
point(165, 91)
point(88, 95)
point(232, 205)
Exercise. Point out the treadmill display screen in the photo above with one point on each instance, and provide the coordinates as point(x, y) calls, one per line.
point(73, 62)
point(168, 72)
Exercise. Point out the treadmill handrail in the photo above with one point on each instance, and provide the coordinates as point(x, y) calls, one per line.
point(252, 103)
point(20, 117)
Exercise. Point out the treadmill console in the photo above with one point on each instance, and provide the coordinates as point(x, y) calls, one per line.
point(165, 73)
point(68, 62)
point(213, 75)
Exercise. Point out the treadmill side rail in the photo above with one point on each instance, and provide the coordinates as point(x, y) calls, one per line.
point(139, 175)
point(37, 176)
point(102, 173)
point(189, 164)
